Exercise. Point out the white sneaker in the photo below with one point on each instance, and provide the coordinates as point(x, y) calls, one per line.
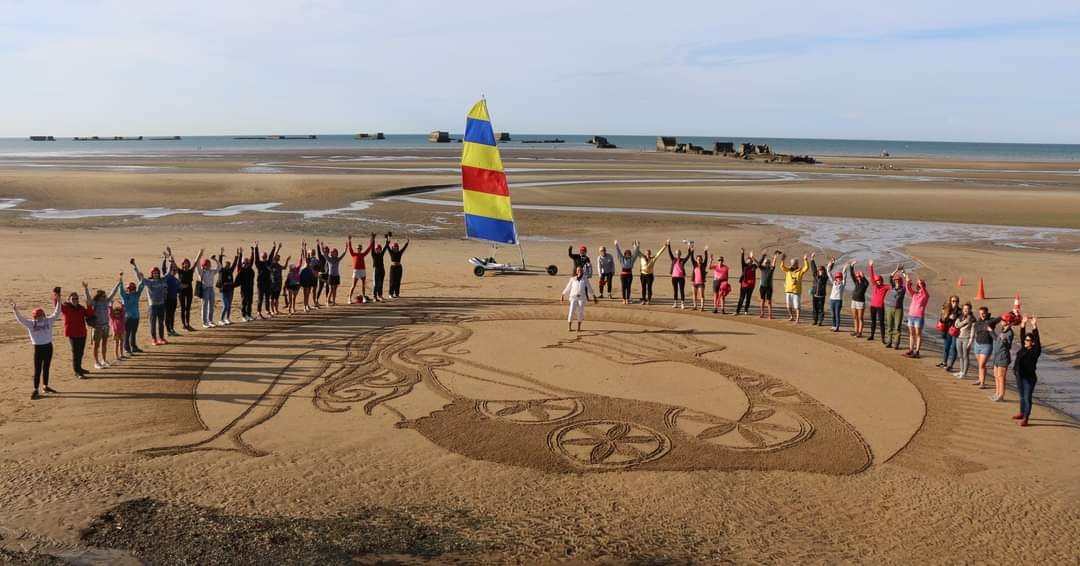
point(98, 365)
point(958, 375)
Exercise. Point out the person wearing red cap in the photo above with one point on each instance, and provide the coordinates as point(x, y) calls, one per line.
point(747, 281)
point(878, 291)
point(1026, 360)
point(894, 309)
point(721, 286)
point(40, 328)
point(581, 259)
point(920, 296)
point(1002, 354)
point(76, 318)
point(130, 295)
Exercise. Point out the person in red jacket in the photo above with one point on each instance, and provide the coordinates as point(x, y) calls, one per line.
point(359, 269)
point(879, 289)
point(75, 321)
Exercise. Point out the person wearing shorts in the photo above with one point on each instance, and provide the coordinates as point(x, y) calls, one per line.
point(359, 273)
point(720, 284)
point(101, 302)
point(767, 267)
point(794, 272)
point(920, 296)
point(859, 285)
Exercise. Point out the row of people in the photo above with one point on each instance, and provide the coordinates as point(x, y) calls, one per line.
point(963, 334)
point(261, 276)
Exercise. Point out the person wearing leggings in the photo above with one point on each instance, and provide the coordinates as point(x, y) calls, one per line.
point(186, 274)
point(648, 260)
point(130, 294)
point(172, 294)
point(245, 279)
point(378, 265)
point(40, 328)
point(836, 295)
point(75, 317)
point(894, 310)
point(207, 272)
point(156, 290)
point(627, 258)
point(277, 283)
point(819, 288)
point(263, 263)
point(878, 293)
point(747, 281)
point(396, 270)
point(678, 274)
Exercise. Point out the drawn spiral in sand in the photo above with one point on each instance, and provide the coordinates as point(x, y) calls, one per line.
point(536, 423)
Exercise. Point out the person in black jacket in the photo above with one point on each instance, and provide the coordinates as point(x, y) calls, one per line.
point(581, 260)
point(264, 263)
point(185, 272)
point(245, 279)
point(378, 263)
point(1024, 366)
point(820, 289)
point(396, 270)
point(858, 298)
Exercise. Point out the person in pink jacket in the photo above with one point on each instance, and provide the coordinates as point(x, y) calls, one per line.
point(916, 314)
point(878, 290)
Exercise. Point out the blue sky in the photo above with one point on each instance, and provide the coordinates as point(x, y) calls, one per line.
point(976, 71)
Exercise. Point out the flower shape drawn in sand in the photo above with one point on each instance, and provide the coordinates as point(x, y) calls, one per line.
point(758, 429)
point(608, 444)
point(531, 411)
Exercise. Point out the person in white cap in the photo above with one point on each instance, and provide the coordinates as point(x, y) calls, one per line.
point(578, 290)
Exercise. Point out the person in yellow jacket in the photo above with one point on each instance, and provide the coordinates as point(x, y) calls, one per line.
point(648, 260)
point(793, 283)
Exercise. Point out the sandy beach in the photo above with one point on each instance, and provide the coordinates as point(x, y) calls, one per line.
point(463, 423)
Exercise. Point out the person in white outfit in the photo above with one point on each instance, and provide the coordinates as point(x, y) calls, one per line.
point(40, 328)
point(578, 290)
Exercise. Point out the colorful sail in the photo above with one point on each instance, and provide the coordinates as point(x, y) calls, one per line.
point(485, 193)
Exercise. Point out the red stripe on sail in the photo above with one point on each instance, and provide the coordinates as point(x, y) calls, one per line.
point(484, 181)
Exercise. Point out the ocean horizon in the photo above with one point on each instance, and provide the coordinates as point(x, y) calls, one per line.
point(24, 147)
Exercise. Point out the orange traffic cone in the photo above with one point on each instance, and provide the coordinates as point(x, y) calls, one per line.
point(1016, 304)
point(960, 281)
point(980, 295)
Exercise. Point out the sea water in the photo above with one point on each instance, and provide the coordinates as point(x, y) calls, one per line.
point(212, 147)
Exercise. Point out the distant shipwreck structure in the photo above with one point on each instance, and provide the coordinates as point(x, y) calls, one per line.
point(42, 138)
point(601, 142)
point(376, 136)
point(747, 151)
point(439, 136)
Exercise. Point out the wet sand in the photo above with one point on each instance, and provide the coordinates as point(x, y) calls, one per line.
point(462, 422)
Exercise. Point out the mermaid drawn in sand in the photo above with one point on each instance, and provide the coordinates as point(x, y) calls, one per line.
point(551, 428)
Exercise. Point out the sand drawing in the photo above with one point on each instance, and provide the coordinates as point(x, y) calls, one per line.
point(544, 426)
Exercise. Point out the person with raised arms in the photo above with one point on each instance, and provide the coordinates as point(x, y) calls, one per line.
point(378, 264)
point(1027, 359)
point(101, 303)
point(156, 291)
point(819, 288)
point(627, 259)
point(397, 271)
point(794, 272)
point(859, 286)
point(699, 273)
point(678, 275)
point(40, 328)
point(605, 264)
point(130, 295)
point(76, 317)
point(359, 269)
point(747, 281)
point(646, 263)
point(920, 296)
point(767, 267)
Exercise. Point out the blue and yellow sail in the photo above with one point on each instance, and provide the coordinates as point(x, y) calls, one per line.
point(485, 192)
